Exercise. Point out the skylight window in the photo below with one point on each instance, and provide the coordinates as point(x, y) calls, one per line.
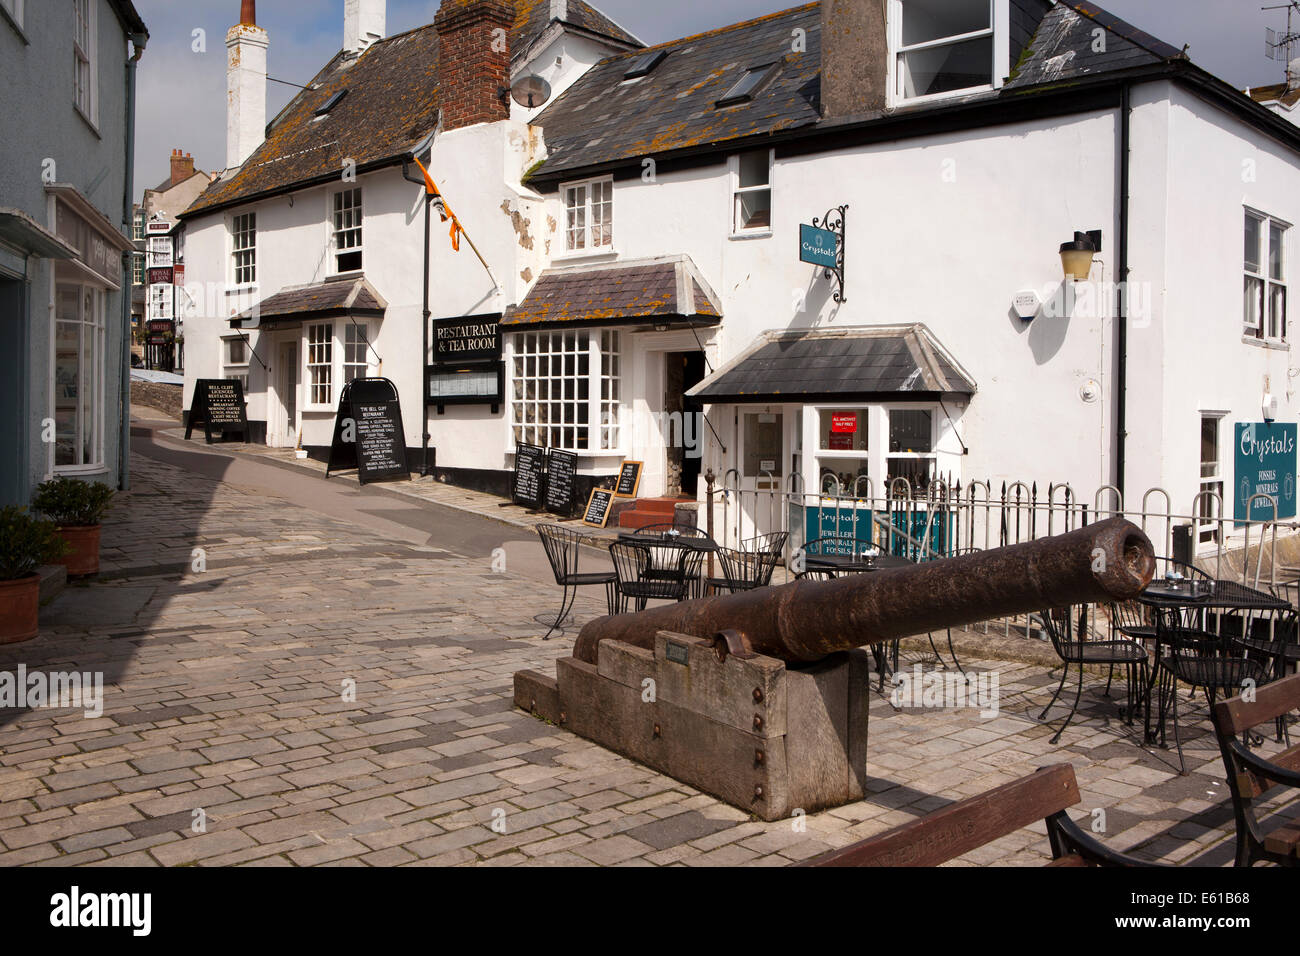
point(330, 103)
point(643, 65)
point(743, 90)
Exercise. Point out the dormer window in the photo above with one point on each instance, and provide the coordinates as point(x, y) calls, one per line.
point(943, 47)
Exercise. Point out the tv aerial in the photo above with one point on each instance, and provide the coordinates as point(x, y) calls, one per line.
point(1282, 46)
point(530, 91)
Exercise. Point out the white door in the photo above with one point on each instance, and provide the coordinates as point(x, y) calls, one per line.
point(284, 433)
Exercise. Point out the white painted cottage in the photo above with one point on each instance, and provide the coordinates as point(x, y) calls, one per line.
point(640, 231)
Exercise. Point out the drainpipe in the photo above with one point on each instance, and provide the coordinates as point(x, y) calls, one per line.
point(138, 41)
point(1122, 270)
point(426, 146)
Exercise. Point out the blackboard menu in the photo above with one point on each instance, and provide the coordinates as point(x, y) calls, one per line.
point(526, 489)
point(218, 405)
point(368, 432)
point(629, 479)
point(598, 502)
point(561, 470)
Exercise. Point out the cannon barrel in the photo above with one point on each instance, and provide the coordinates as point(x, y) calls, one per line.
point(807, 620)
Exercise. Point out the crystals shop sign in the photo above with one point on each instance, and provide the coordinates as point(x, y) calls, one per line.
point(1265, 454)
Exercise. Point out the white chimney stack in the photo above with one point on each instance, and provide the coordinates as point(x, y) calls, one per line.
point(363, 24)
point(1293, 75)
point(246, 45)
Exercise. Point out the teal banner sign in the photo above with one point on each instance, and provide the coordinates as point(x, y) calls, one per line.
point(818, 246)
point(1265, 465)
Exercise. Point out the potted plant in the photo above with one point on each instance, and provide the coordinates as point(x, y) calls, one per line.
point(76, 507)
point(25, 544)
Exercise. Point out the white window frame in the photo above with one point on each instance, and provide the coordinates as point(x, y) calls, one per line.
point(357, 333)
point(85, 90)
point(999, 30)
point(236, 251)
point(1266, 328)
point(160, 303)
point(1208, 533)
point(91, 380)
point(160, 251)
point(137, 268)
point(736, 191)
point(530, 398)
point(868, 422)
point(587, 249)
point(335, 213)
point(14, 9)
point(231, 368)
point(932, 455)
point(137, 222)
point(313, 359)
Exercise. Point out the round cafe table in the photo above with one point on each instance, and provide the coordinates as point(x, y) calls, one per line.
point(853, 563)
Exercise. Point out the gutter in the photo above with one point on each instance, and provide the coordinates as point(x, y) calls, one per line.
point(138, 42)
point(1122, 272)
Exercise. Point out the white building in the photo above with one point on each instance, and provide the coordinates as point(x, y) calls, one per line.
point(642, 231)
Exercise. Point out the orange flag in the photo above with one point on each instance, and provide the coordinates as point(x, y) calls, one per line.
point(431, 189)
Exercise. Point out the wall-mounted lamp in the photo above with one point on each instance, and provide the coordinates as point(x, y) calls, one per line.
point(1077, 255)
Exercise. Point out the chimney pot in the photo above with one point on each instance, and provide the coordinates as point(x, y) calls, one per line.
point(248, 12)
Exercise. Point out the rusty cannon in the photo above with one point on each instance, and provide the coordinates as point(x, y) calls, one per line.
point(761, 697)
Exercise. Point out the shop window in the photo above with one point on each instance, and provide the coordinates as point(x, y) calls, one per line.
point(842, 464)
point(320, 363)
point(552, 399)
point(1211, 498)
point(236, 361)
point(78, 377)
point(911, 448)
point(356, 351)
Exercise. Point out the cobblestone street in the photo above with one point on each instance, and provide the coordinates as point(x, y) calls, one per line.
point(227, 680)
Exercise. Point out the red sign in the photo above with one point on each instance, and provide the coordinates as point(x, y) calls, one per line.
point(178, 275)
point(844, 423)
point(840, 442)
point(160, 275)
point(161, 325)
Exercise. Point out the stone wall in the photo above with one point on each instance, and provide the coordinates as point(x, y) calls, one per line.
point(165, 398)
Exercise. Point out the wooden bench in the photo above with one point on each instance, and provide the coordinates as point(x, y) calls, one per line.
point(969, 824)
point(1250, 775)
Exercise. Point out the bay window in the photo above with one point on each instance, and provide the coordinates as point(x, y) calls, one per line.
point(911, 447)
point(842, 451)
point(78, 377)
point(356, 351)
point(235, 363)
point(320, 364)
point(553, 401)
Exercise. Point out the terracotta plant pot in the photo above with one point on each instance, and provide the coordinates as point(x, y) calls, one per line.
point(83, 559)
point(19, 608)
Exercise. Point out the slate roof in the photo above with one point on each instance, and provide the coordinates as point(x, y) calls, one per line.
point(391, 107)
point(611, 294)
point(336, 296)
point(843, 363)
point(1064, 47)
point(602, 118)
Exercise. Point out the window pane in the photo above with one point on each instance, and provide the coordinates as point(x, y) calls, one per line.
point(754, 169)
point(925, 20)
point(1277, 311)
point(754, 209)
point(1209, 447)
point(910, 430)
point(843, 429)
point(944, 69)
point(1276, 239)
point(1253, 235)
point(1253, 302)
point(840, 476)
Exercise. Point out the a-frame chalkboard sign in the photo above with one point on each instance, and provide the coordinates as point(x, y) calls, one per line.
point(217, 405)
point(368, 434)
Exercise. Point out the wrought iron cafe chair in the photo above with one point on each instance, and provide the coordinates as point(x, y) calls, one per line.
point(562, 547)
point(744, 570)
point(1076, 647)
point(640, 581)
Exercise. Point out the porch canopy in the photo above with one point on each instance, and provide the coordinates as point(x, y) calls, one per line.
point(339, 296)
point(663, 292)
point(872, 363)
point(22, 232)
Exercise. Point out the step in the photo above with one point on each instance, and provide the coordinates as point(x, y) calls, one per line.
point(662, 506)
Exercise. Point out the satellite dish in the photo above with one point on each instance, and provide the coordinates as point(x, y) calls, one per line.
point(531, 91)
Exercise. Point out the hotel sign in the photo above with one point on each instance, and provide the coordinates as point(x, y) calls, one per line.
point(1265, 454)
point(160, 275)
point(820, 247)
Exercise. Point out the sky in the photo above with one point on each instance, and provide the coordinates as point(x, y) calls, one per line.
point(182, 88)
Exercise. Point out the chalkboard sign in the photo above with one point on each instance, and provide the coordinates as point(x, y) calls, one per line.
point(598, 503)
point(218, 405)
point(526, 488)
point(475, 338)
point(368, 433)
point(629, 479)
point(561, 470)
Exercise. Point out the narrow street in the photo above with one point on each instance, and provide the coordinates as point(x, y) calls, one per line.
point(241, 603)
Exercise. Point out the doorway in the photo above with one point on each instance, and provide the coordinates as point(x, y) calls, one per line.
point(285, 432)
point(684, 429)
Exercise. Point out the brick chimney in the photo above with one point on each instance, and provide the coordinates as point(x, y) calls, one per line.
point(473, 61)
point(855, 57)
point(363, 24)
point(182, 167)
point(246, 45)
